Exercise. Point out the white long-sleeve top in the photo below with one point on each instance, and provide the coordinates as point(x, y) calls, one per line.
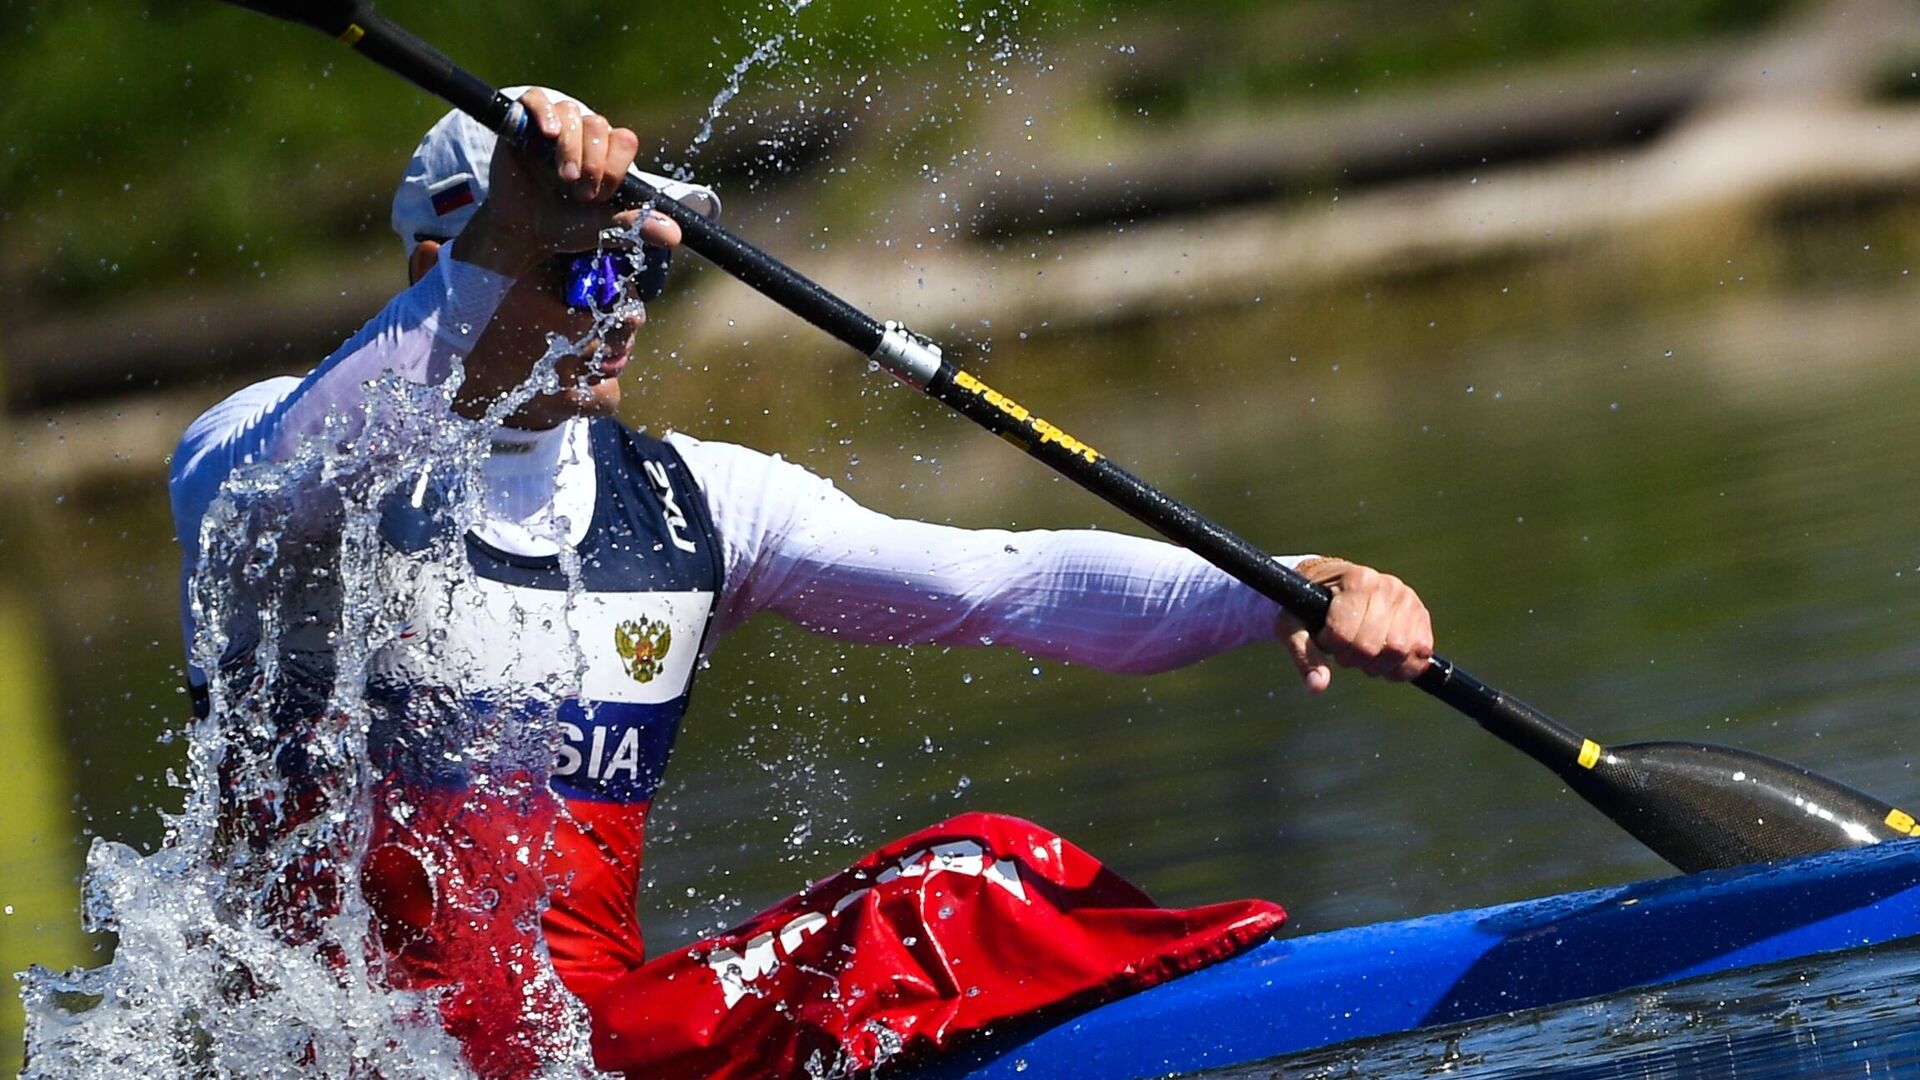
point(793, 543)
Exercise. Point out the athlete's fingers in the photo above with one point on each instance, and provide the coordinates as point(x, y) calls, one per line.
point(655, 227)
point(1315, 674)
point(1351, 588)
point(1397, 633)
point(1385, 657)
point(593, 157)
point(659, 229)
point(1414, 639)
point(567, 141)
point(1369, 652)
point(623, 147)
point(540, 108)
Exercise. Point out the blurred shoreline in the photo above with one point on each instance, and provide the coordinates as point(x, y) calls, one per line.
point(1668, 157)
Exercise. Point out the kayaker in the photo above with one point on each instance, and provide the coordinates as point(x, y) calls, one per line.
point(592, 572)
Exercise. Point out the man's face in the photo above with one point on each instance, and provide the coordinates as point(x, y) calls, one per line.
point(517, 338)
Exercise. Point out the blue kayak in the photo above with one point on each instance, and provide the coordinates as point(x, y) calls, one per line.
point(1294, 994)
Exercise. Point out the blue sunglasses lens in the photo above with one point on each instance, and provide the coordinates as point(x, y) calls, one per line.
point(598, 279)
point(594, 279)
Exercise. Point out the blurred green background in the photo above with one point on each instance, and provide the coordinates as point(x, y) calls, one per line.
point(152, 142)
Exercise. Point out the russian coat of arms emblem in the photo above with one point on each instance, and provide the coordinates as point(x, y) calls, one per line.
point(642, 645)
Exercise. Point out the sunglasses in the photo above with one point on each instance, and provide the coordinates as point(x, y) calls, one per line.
point(597, 280)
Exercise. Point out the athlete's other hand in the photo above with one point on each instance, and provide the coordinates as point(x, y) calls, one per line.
point(1376, 623)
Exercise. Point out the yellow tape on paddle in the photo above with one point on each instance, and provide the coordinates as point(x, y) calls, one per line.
point(1589, 753)
point(351, 35)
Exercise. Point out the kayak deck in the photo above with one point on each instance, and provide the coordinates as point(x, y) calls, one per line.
point(1295, 994)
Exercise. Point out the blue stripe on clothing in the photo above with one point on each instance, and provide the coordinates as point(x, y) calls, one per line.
point(614, 751)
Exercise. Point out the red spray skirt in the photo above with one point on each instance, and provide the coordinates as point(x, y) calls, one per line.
point(976, 922)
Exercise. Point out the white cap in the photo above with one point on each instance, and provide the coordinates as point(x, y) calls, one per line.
point(447, 179)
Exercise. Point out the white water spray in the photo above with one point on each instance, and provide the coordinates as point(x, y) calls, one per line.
point(246, 947)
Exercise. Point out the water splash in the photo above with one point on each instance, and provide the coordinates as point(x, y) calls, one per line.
point(767, 52)
point(246, 946)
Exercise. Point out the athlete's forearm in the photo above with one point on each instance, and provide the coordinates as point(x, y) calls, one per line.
point(797, 546)
point(418, 336)
point(1118, 603)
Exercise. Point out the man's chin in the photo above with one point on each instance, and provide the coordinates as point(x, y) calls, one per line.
point(595, 391)
point(599, 397)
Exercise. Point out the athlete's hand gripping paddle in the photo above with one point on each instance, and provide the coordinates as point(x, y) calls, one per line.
point(1698, 806)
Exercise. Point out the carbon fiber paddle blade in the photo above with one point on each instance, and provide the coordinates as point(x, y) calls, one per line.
point(330, 17)
point(1701, 807)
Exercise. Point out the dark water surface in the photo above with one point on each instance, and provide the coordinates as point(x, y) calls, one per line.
point(1703, 525)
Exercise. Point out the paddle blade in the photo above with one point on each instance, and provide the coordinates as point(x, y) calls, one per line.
point(331, 17)
point(1701, 807)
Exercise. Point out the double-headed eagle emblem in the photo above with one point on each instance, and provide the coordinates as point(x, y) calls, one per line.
point(643, 644)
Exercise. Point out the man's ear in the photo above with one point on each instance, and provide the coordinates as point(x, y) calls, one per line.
point(425, 254)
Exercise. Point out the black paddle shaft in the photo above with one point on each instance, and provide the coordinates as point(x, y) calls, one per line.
point(1697, 806)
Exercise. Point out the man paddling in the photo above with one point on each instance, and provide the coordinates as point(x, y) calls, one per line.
point(563, 593)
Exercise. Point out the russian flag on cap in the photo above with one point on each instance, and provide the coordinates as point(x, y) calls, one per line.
point(451, 194)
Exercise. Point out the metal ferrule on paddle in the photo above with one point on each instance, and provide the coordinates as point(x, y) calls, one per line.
point(1694, 804)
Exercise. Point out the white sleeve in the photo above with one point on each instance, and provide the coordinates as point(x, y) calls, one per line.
point(418, 335)
point(796, 545)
